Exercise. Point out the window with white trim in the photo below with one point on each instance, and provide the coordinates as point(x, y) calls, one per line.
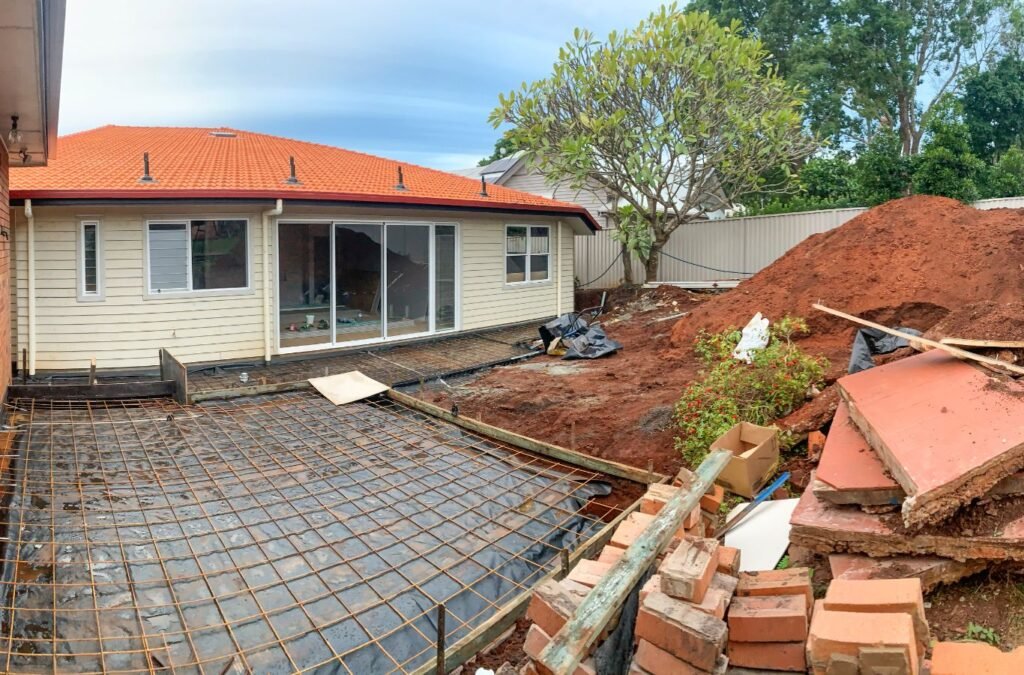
point(89, 283)
point(198, 255)
point(527, 253)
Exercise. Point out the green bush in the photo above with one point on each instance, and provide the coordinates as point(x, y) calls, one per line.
point(773, 385)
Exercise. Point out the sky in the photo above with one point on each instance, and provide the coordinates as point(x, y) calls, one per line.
point(413, 81)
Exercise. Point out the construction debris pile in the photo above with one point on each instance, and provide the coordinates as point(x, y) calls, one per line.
point(922, 459)
point(699, 614)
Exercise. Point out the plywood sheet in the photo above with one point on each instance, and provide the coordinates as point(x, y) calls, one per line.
point(347, 387)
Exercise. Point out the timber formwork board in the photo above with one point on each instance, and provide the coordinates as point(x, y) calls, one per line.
point(270, 534)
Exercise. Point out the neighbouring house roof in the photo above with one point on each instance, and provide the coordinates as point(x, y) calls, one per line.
point(203, 163)
point(493, 172)
point(500, 171)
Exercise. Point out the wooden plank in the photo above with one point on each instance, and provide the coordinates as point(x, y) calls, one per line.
point(490, 630)
point(250, 390)
point(950, 349)
point(172, 369)
point(987, 344)
point(531, 444)
point(82, 392)
point(568, 647)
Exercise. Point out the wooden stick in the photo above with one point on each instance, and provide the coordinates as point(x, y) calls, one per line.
point(568, 647)
point(955, 351)
point(533, 445)
point(989, 344)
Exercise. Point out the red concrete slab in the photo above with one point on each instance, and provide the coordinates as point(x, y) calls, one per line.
point(827, 528)
point(946, 430)
point(850, 472)
point(851, 469)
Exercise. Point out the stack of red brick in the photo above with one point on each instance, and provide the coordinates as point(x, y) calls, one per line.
point(554, 602)
point(769, 620)
point(868, 626)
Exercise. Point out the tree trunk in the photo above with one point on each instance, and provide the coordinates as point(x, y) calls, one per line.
point(651, 264)
point(627, 265)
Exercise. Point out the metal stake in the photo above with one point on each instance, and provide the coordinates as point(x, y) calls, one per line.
point(440, 640)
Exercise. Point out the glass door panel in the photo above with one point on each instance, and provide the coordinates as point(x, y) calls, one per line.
point(304, 284)
point(408, 275)
point(358, 292)
point(444, 277)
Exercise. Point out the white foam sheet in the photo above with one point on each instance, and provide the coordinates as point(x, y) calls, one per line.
point(347, 387)
point(763, 536)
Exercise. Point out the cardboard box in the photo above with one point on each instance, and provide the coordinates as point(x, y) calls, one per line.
point(755, 452)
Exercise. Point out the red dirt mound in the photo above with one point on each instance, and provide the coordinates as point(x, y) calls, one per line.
point(908, 262)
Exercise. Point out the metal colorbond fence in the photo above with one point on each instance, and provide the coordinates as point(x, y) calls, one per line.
point(727, 246)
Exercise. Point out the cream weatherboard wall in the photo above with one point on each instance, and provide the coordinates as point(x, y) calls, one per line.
point(126, 328)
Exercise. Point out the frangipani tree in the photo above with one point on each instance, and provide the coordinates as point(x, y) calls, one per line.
point(677, 118)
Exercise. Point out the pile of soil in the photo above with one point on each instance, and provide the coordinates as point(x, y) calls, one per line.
point(909, 262)
point(982, 321)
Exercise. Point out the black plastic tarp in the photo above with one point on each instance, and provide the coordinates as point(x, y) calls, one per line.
point(870, 341)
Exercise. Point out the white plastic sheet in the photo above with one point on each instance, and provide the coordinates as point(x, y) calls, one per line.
point(754, 337)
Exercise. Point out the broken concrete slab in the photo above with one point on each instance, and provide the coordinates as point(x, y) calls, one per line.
point(946, 430)
point(851, 472)
point(931, 570)
point(998, 534)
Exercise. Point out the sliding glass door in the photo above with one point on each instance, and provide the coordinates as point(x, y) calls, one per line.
point(358, 290)
point(354, 283)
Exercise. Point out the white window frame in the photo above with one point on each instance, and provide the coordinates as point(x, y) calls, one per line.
point(151, 293)
point(529, 235)
point(98, 294)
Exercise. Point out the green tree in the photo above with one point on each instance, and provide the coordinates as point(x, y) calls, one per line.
point(882, 171)
point(677, 118)
point(1005, 178)
point(503, 147)
point(870, 63)
point(946, 166)
point(993, 104)
point(830, 180)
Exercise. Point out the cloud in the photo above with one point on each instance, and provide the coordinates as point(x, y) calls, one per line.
point(414, 79)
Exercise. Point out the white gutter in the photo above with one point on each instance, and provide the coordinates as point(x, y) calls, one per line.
point(558, 273)
point(267, 323)
point(30, 218)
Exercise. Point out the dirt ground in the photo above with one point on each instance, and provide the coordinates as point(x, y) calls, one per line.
point(618, 408)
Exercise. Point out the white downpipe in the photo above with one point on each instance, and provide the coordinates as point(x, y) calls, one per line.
point(267, 323)
point(558, 272)
point(31, 224)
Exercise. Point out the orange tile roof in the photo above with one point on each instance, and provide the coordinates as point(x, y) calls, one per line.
point(197, 163)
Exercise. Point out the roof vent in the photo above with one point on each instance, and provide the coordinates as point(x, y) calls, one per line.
point(223, 134)
point(146, 178)
point(401, 180)
point(483, 187)
point(292, 179)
